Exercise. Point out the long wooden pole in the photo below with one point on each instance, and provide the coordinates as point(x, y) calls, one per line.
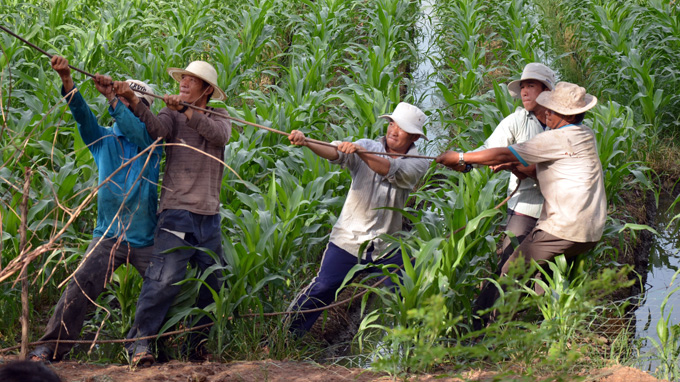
point(216, 113)
point(23, 275)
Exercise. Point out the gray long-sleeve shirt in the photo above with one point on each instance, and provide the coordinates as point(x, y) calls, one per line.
point(192, 179)
point(363, 216)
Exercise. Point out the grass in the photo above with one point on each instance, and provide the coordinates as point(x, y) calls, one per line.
point(329, 68)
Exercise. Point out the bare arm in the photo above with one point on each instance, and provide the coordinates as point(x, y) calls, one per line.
point(297, 138)
point(529, 171)
point(377, 163)
point(487, 157)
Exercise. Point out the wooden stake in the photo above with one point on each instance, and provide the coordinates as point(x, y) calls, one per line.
point(23, 277)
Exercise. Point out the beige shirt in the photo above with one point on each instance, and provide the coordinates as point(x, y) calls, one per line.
point(366, 213)
point(570, 174)
point(518, 127)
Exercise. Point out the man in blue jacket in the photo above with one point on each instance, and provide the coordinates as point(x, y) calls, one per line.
point(126, 209)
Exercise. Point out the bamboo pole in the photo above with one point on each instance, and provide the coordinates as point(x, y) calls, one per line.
point(23, 276)
point(208, 111)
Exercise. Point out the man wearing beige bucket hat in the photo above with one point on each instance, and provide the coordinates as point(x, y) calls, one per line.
point(524, 206)
point(189, 206)
point(570, 175)
point(380, 186)
point(126, 211)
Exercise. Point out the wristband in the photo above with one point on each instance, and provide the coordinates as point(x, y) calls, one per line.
point(461, 161)
point(112, 100)
point(182, 110)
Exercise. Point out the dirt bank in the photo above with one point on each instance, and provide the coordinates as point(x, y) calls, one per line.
point(282, 371)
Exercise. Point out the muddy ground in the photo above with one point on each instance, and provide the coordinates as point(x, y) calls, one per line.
point(282, 371)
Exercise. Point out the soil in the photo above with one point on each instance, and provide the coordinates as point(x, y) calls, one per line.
point(288, 371)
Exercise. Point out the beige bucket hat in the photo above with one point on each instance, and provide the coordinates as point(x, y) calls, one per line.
point(138, 86)
point(202, 70)
point(409, 118)
point(533, 71)
point(567, 99)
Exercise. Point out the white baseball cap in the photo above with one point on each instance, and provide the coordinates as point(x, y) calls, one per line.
point(409, 118)
point(533, 71)
point(138, 86)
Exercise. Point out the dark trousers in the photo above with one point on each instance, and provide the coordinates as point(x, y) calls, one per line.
point(102, 257)
point(539, 246)
point(167, 269)
point(335, 265)
point(520, 226)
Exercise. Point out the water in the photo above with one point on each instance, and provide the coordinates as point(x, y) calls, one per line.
point(664, 261)
point(425, 78)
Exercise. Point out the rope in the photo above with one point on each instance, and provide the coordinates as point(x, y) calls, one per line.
point(208, 111)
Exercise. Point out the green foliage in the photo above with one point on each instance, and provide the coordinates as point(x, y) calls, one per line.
point(623, 52)
point(668, 346)
point(419, 345)
point(329, 68)
point(618, 139)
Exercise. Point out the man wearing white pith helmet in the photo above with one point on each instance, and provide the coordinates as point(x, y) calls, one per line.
point(524, 207)
point(189, 206)
point(380, 184)
point(126, 208)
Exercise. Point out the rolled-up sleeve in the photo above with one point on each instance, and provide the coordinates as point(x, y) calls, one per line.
point(345, 160)
point(406, 172)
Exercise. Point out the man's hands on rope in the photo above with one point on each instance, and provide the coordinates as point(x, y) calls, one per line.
point(172, 101)
point(298, 138)
point(60, 65)
point(110, 89)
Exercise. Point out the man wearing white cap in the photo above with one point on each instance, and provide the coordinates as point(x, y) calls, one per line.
point(379, 183)
point(189, 217)
point(569, 172)
point(524, 207)
point(126, 211)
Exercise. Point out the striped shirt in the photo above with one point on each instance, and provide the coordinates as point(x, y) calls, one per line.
point(364, 216)
point(192, 179)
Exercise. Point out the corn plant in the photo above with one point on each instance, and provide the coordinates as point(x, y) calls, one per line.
point(624, 53)
point(617, 137)
point(568, 308)
point(443, 265)
point(668, 346)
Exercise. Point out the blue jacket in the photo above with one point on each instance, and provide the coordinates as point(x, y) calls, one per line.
point(127, 204)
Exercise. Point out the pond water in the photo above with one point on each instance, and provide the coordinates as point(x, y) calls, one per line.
point(425, 78)
point(664, 261)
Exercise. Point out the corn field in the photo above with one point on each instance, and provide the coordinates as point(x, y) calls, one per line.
point(329, 68)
